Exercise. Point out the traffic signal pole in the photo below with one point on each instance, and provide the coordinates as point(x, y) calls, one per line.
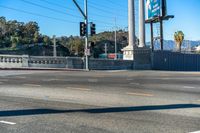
point(86, 38)
point(85, 15)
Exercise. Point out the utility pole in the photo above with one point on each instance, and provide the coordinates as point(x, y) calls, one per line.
point(115, 40)
point(106, 49)
point(85, 15)
point(54, 47)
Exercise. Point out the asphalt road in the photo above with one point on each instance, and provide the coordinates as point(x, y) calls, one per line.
point(99, 102)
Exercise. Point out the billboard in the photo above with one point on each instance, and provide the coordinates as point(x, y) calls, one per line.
point(155, 8)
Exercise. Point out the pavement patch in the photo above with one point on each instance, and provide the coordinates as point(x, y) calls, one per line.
point(140, 94)
point(134, 83)
point(195, 132)
point(93, 80)
point(3, 80)
point(165, 78)
point(7, 122)
point(32, 85)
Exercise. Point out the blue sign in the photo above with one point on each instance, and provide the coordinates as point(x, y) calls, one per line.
point(153, 9)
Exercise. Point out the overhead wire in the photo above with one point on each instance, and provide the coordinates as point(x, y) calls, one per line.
point(106, 24)
point(36, 14)
point(58, 11)
point(51, 9)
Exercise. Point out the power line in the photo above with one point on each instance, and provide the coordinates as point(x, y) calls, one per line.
point(51, 9)
point(90, 2)
point(104, 10)
point(111, 1)
point(36, 14)
point(64, 7)
point(58, 5)
point(57, 11)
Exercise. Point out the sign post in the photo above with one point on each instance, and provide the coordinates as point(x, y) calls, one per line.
point(156, 12)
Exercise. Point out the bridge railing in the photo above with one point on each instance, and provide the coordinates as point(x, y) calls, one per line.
point(25, 61)
point(10, 61)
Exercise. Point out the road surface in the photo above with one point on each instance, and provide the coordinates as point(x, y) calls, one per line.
point(99, 102)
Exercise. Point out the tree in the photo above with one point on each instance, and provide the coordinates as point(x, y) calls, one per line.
point(36, 37)
point(14, 41)
point(46, 40)
point(178, 38)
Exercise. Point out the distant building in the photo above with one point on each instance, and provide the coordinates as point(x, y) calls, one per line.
point(197, 48)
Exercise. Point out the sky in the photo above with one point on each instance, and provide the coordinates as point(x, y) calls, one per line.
point(61, 17)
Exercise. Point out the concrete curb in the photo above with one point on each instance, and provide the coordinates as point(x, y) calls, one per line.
point(43, 69)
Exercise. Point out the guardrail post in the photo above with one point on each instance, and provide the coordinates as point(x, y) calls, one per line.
point(25, 60)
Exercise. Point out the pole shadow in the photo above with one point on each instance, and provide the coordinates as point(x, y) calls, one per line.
point(26, 112)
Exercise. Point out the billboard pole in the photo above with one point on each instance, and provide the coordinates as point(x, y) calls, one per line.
point(161, 34)
point(152, 40)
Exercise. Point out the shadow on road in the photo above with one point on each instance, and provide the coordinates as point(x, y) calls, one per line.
point(26, 112)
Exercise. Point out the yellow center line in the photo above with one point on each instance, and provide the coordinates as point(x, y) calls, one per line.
point(81, 89)
point(140, 94)
point(32, 85)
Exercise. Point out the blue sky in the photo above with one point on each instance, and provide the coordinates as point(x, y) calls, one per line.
point(60, 17)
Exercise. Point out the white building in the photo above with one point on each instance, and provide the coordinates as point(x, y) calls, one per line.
point(197, 48)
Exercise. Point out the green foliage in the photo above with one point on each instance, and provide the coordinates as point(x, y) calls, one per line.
point(178, 38)
point(22, 36)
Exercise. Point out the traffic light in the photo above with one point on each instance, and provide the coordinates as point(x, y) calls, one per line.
point(83, 29)
point(91, 45)
point(92, 29)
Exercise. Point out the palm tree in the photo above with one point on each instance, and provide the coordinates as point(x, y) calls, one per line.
point(178, 38)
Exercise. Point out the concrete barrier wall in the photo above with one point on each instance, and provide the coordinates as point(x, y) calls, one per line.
point(102, 64)
point(25, 61)
point(74, 63)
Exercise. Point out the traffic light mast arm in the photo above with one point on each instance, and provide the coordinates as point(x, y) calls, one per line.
point(79, 8)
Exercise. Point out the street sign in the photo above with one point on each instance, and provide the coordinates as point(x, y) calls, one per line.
point(87, 52)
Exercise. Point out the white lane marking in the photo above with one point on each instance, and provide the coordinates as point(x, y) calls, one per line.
point(195, 132)
point(80, 89)
point(7, 122)
point(140, 94)
point(32, 85)
point(93, 80)
point(188, 87)
point(20, 77)
point(51, 79)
